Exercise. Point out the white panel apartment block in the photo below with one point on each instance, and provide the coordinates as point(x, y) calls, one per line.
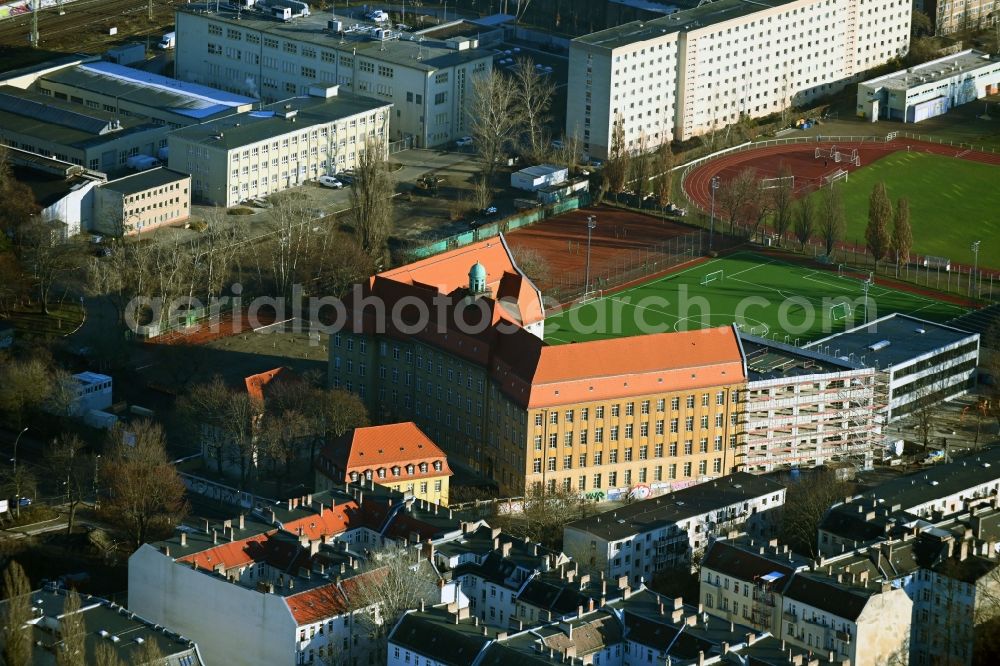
point(703, 68)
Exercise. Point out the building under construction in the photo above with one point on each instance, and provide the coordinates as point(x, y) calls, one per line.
point(803, 408)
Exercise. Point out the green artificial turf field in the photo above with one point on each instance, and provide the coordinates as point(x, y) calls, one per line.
point(764, 295)
point(953, 202)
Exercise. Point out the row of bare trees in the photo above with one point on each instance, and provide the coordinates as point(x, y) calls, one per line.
point(882, 241)
point(320, 257)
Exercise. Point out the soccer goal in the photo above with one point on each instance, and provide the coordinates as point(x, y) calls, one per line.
point(592, 295)
point(712, 277)
point(840, 311)
point(826, 153)
point(771, 183)
point(839, 174)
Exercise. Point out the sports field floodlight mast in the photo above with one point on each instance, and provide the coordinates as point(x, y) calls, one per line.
point(711, 228)
point(975, 268)
point(591, 225)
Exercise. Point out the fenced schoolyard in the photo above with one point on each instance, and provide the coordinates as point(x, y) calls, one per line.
point(764, 295)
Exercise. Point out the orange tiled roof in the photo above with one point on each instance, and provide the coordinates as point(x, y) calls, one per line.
point(448, 272)
point(317, 604)
point(387, 446)
point(257, 383)
point(333, 521)
point(539, 375)
point(230, 554)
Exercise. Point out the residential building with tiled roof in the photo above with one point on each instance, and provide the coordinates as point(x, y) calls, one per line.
point(397, 455)
point(280, 585)
point(640, 539)
point(883, 510)
point(638, 629)
point(774, 590)
point(642, 415)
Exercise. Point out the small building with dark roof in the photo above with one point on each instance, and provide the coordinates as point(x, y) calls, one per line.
point(639, 539)
point(142, 201)
point(918, 362)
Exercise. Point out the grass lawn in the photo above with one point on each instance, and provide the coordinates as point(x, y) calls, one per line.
point(763, 295)
point(62, 320)
point(952, 203)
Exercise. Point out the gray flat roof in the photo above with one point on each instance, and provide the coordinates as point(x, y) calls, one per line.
point(691, 17)
point(680, 505)
point(145, 180)
point(244, 128)
point(938, 481)
point(768, 359)
point(935, 70)
point(907, 337)
point(61, 122)
point(427, 55)
point(187, 99)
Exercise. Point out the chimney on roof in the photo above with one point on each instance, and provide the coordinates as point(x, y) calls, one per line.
point(232, 535)
point(486, 630)
point(505, 548)
point(184, 539)
point(291, 503)
point(725, 647)
point(579, 611)
point(361, 497)
point(750, 638)
point(604, 586)
point(660, 607)
point(215, 536)
point(701, 658)
point(242, 522)
point(519, 624)
point(449, 513)
point(166, 550)
point(206, 526)
point(309, 498)
point(677, 616)
point(678, 603)
point(590, 604)
point(475, 621)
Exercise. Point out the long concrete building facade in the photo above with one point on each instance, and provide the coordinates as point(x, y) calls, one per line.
point(428, 81)
point(708, 65)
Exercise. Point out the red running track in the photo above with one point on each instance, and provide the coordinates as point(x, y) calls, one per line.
point(801, 160)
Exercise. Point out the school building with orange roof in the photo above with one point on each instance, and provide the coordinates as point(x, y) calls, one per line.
point(640, 416)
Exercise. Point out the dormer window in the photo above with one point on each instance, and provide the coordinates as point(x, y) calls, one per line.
point(368, 474)
point(409, 469)
point(354, 477)
point(395, 471)
point(437, 466)
point(423, 468)
point(381, 474)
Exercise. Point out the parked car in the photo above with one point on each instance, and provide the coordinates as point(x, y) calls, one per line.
point(676, 210)
point(329, 181)
point(346, 177)
point(464, 141)
point(558, 145)
point(489, 211)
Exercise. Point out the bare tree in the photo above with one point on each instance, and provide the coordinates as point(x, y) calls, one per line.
point(336, 262)
point(532, 263)
point(144, 492)
point(616, 167)
point(831, 218)
point(902, 235)
point(45, 256)
point(284, 436)
point(544, 514)
point(806, 502)
point(533, 99)
point(341, 411)
point(736, 193)
point(225, 420)
point(16, 614)
point(149, 654)
point(67, 461)
point(759, 205)
point(492, 117)
point(782, 199)
point(640, 168)
point(371, 199)
point(72, 650)
point(105, 655)
point(877, 237)
point(394, 580)
point(291, 218)
point(25, 385)
point(803, 221)
point(665, 178)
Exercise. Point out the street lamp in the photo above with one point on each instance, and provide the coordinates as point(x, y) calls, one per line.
point(591, 225)
point(711, 229)
point(17, 483)
point(975, 268)
point(97, 462)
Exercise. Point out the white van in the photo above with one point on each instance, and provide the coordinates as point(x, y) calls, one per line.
point(329, 181)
